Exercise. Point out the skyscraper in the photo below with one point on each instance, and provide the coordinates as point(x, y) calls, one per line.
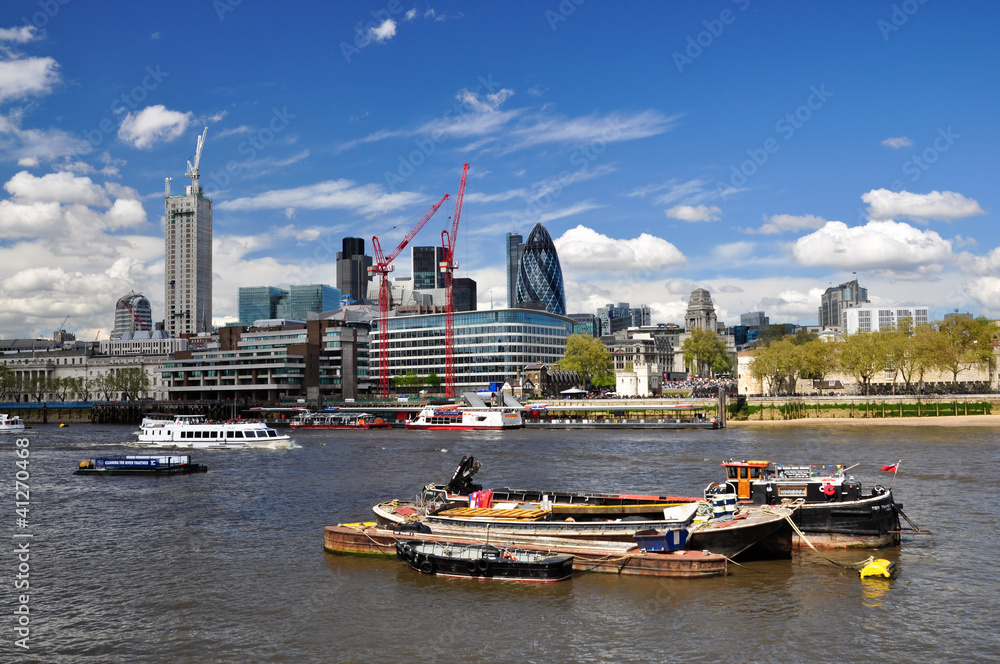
point(188, 256)
point(259, 303)
point(539, 275)
point(132, 314)
point(352, 269)
point(515, 246)
point(426, 271)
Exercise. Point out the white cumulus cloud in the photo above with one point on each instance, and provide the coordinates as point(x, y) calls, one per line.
point(877, 245)
point(584, 248)
point(153, 124)
point(62, 187)
point(22, 77)
point(384, 31)
point(942, 205)
point(695, 212)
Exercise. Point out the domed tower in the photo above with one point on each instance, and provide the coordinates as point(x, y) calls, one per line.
point(132, 314)
point(539, 275)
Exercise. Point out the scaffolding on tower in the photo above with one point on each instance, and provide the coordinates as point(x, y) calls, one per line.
point(448, 265)
point(382, 266)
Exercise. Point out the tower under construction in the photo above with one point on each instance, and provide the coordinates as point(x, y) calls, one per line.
point(188, 256)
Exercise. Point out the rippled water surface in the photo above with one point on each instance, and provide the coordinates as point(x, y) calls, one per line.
point(229, 566)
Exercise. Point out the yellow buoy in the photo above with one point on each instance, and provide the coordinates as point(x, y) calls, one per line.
point(62, 424)
point(881, 568)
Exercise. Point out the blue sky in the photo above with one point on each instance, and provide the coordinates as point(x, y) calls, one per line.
point(762, 151)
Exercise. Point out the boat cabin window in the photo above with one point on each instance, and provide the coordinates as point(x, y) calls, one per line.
point(755, 473)
point(743, 472)
point(731, 472)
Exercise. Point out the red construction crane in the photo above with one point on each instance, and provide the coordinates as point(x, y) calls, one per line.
point(382, 266)
point(449, 265)
point(125, 303)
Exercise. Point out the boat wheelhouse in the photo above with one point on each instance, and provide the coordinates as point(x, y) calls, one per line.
point(11, 423)
point(438, 418)
point(195, 431)
point(835, 511)
point(339, 420)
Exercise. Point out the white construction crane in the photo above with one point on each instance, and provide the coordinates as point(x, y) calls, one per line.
point(193, 169)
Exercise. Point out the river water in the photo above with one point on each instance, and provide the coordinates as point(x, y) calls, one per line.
point(229, 566)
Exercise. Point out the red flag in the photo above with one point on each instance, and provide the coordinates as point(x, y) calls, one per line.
point(891, 467)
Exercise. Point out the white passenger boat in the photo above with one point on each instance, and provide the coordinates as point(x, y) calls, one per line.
point(439, 418)
point(11, 423)
point(167, 430)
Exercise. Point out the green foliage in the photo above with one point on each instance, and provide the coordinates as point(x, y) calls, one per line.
point(133, 382)
point(705, 352)
point(590, 358)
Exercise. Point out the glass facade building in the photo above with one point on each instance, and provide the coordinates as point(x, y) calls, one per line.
point(426, 269)
point(259, 303)
point(539, 275)
point(312, 297)
point(490, 346)
point(515, 245)
point(132, 314)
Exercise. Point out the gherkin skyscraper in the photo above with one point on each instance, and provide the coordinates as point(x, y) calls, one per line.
point(539, 276)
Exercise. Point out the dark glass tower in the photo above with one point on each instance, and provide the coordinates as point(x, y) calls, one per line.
point(539, 276)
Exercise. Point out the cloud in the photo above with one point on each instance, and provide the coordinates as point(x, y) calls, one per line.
point(384, 31)
point(897, 142)
point(28, 162)
point(681, 286)
point(409, 16)
point(782, 223)
point(153, 124)
point(733, 252)
point(942, 205)
point(695, 213)
point(985, 291)
point(22, 77)
point(562, 213)
point(583, 248)
point(62, 187)
point(878, 245)
point(479, 116)
point(21, 35)
point(367, 199)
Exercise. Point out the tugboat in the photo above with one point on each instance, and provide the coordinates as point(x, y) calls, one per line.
point(483, 561)
point(834, 512)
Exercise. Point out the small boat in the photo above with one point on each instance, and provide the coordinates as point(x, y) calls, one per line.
point(195, 431)
point(483, 561)
point(140, 465)
point(834, 512)
point(456, 418)
point(11, 423)
point(339, 420)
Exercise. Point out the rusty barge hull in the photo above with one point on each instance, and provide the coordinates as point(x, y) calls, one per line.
point(605, 557)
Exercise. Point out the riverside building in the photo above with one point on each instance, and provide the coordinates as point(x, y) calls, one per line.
point(490, 346)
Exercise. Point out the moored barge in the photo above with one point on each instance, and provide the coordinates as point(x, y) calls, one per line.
point(140, 465)
point(835, 513)
point(484, 561)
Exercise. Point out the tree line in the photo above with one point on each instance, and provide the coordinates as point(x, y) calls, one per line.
point(130, 383)
point(905, 353)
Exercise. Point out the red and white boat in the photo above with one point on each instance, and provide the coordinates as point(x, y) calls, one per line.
point(440, 418)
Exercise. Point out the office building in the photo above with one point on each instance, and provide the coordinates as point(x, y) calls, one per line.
point(259, 303)
point(426, 271)
point(621, 316)
point(352, 269)
point(754, 319)
point(490, 345)
point(873, 319)
point(132, 314)
point(835, 299)
point(188, 257)
point(587, 324)
point(539, 275)
point(316, 298)
point(515, 247)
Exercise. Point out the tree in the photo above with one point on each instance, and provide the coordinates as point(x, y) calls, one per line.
point(819, 358)
point(10, 386)
point(432, 380)
point(133, 381)
point(590, 358)
point(862, 355)
point(103, 385)
point(705, 350)
point(778, 364)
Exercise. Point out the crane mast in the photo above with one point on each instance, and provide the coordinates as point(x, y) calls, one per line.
point(382, 266)
point(193, 169)
point(447, 266)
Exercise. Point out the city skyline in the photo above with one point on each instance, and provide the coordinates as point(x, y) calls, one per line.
point(763, 154)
